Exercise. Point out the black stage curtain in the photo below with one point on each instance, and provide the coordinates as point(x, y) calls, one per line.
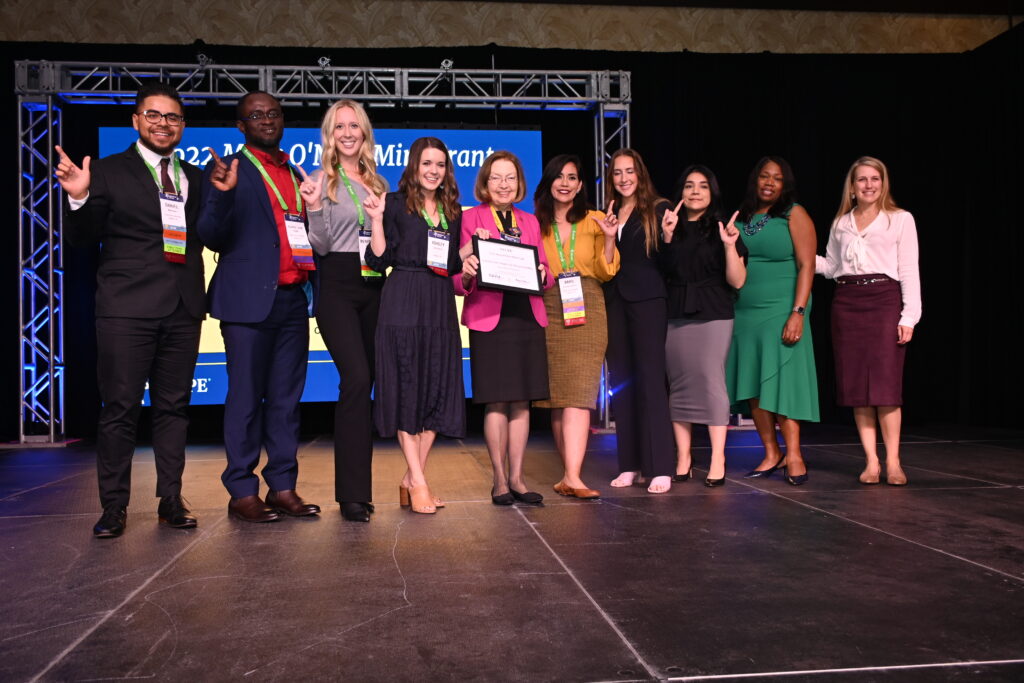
point(948, 126)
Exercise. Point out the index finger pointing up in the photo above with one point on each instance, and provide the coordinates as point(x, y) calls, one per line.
point(305, 176)
point(678, 206)
point(63, 156)
point(213, 152)
point(611, 208)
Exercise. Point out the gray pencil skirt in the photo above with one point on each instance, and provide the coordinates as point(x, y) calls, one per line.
point(695, 353)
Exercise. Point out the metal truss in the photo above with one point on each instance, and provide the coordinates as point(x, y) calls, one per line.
point(40, 283)
point(41, 85)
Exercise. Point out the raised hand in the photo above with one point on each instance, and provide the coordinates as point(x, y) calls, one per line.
point(610, 223)
point(311, 190)
point(728, 232)
point(223, 177)
point(669, 221)
point(374, 205)
point(73, 180)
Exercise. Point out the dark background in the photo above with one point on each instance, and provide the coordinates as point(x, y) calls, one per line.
point(948, 127)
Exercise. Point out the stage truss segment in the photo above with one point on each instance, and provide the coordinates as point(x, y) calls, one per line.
point(43, 85)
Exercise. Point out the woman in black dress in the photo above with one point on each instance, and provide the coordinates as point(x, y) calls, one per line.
point(419, 387)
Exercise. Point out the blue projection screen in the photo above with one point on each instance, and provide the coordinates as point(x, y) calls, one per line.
point(468, 148)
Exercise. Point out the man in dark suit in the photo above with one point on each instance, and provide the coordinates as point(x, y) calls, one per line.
point(142, 206)
point(252, 214)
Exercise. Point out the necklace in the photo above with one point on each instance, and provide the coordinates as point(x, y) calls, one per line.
point(752, 229)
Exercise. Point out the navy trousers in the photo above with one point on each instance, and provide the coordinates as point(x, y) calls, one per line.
point(266, 365)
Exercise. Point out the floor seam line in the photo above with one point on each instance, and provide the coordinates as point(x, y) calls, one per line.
point(43, 486)
point(604, 615)
point(865, 525)
point(857, 669)
point(88, 632)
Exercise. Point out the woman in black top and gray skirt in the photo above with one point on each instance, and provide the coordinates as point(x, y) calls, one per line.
point(702, 261)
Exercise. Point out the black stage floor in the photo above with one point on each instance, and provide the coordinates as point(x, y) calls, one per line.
point(831, 581)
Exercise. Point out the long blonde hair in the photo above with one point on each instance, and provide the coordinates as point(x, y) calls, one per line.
point(329, 160)
point(849, 200)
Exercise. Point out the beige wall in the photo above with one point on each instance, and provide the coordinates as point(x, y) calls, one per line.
point(405, 23)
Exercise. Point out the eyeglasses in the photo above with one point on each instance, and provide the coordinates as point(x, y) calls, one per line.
point(153, 116)
point(259, 115)
point(497, 179)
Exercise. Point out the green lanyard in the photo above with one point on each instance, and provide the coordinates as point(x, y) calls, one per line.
point(355, 199)
point(572, 247)
point(266, 176)
point(156, 178)
point(440, 212)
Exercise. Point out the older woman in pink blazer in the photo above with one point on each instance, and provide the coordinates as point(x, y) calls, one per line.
point(508, 358)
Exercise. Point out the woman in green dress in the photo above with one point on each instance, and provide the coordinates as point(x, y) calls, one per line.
point(771, 360)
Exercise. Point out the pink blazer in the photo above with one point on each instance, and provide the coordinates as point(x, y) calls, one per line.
point(482, 307)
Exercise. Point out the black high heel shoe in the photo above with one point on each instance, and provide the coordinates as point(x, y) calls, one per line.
point(683, 477)
point(798, 480)
point(711, 483)
point(758, 474)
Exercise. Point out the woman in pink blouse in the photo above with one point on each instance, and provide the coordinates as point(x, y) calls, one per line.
point(872, 255)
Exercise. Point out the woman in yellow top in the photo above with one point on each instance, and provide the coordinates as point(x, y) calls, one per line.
point(580, 247)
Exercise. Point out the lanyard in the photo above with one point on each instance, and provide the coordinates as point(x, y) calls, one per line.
point(497, 221)
point(266, 177)
point(440, 212)
point(572, 247)
point(352, 194)
point(156, 178)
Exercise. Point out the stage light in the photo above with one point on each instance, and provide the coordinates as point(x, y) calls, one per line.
point(447, 64)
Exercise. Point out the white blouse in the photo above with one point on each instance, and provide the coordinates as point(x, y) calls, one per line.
point(887, 246)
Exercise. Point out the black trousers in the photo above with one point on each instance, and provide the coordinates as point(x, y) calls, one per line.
point(131, 351)
point(347, 318)
point(636, 363)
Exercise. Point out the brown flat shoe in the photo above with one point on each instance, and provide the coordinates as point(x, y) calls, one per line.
point(564, 489)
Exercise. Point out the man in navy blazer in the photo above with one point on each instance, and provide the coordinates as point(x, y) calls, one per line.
point(252, 215)
point(141, 206)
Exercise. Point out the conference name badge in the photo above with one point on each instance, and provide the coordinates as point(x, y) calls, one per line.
point(437, 251)
point(570, 287)
point(172, 216)
point(298, 240)
point(364, 243)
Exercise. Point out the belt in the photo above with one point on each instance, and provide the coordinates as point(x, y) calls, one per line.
point(294, 285)
point(862, 281)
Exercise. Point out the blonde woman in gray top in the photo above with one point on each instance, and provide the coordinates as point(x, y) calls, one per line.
point(349, 291)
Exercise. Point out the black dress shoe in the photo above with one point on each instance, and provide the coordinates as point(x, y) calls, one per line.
point(504, 499)
point(528, 497)
point(798, 480)
point(289, 503)
point(682, 477)
point(173, 513)
point(355, 512)
point(711, 483)
point(758, 474)
point(112, 522)
point(251, 509)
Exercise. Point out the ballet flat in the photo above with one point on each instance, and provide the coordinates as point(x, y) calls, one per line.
point(759, 474)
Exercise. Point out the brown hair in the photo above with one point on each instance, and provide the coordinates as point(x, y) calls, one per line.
point(646, 196)
point(447, 194)
point(480, 189)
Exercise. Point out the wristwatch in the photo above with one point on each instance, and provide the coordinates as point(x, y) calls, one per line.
point(799, 309)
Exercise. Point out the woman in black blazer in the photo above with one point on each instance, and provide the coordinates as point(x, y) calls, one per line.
point(637, 323)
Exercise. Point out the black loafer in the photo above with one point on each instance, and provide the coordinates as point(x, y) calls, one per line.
point(112, 522)
point(173, 513)
point(504, 499)
point(355, 512)
point(528, 497)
